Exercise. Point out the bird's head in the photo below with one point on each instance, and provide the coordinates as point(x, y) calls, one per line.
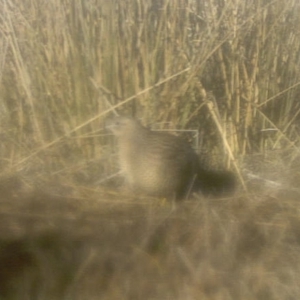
point(120, 126)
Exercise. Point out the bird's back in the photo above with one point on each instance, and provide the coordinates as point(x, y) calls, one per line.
point(154, 162)
point(161, 164)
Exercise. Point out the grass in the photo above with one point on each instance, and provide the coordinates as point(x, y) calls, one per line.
point(227, 69)
point(115, 247)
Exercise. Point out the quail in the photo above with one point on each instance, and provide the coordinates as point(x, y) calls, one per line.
point(161, 164)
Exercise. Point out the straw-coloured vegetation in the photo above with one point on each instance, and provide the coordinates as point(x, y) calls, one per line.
point(227, 69)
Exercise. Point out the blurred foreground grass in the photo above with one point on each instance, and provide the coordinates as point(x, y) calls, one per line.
point(115, 247)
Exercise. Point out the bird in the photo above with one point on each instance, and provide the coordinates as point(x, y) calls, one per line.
point(162, 164)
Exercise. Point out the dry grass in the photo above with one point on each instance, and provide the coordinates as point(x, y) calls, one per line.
point(112, 247)
point(228, 69)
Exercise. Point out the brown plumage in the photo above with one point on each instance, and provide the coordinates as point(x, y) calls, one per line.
point(161, 164)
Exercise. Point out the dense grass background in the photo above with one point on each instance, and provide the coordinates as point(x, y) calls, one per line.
point(227, 69)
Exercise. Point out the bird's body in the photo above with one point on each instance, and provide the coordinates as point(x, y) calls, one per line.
point(156, 163)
